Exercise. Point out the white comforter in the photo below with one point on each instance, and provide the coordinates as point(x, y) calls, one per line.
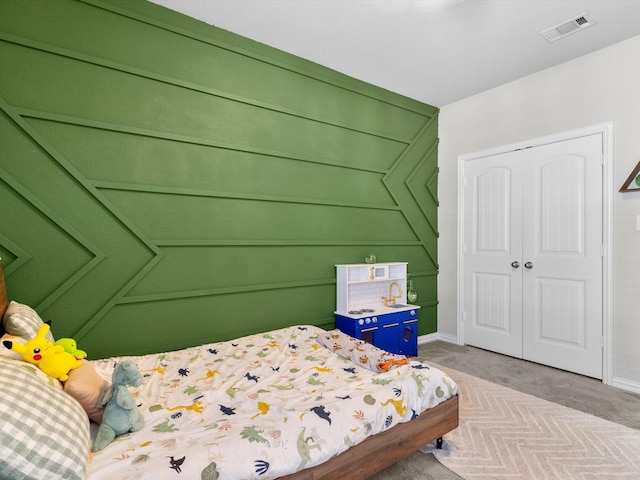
point(259, 407)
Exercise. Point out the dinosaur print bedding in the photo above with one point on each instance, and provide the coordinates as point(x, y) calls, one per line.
point(259, 407)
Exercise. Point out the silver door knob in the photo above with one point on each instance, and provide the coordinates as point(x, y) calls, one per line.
point(515, 264)
point(528, 265)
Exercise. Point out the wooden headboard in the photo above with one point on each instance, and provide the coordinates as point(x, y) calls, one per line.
point(4, 300)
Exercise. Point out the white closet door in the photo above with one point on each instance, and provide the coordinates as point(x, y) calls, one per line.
point(532, 241)
point(492, 242)
point(562, 300)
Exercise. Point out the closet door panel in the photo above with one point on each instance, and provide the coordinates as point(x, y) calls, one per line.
point(492, 242)
point(562, 303)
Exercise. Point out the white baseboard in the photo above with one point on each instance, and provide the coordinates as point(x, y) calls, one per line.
point(432, 337)
point(626, 384)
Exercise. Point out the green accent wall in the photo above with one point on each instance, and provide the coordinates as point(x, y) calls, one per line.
point(165, 183)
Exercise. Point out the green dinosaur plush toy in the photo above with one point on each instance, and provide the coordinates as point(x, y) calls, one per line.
point(121, 415)
point(70, 346)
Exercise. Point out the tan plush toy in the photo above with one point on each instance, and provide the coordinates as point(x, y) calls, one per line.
point(51, 359)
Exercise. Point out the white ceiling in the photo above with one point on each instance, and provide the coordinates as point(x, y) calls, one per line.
point(435, 51)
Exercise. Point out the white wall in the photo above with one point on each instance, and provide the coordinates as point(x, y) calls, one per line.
point(597, 88)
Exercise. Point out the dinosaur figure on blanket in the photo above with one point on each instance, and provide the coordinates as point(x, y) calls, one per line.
point(195, 407)
point(397, 404)
point(304, 449)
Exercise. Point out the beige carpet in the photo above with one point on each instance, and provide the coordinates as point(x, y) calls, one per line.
point(505, 434)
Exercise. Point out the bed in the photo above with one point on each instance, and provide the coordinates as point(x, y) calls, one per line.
point(278, 404)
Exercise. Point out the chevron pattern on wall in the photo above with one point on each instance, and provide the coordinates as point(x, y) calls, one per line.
point(164, 183)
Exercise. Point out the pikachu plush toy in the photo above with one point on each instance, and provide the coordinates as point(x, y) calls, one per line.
point(50, 358)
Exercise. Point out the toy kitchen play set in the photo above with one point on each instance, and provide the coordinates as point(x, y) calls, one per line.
point(372, 305)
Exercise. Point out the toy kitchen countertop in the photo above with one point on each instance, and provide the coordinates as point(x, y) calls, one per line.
point(379, 310)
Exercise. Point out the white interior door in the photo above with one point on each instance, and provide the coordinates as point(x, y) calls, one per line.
point(532, 247)
point(492, 243)
point(562, 304)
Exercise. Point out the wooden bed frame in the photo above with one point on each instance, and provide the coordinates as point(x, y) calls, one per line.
point(376, 452)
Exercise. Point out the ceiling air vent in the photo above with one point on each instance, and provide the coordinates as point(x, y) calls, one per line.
point(567, 28)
